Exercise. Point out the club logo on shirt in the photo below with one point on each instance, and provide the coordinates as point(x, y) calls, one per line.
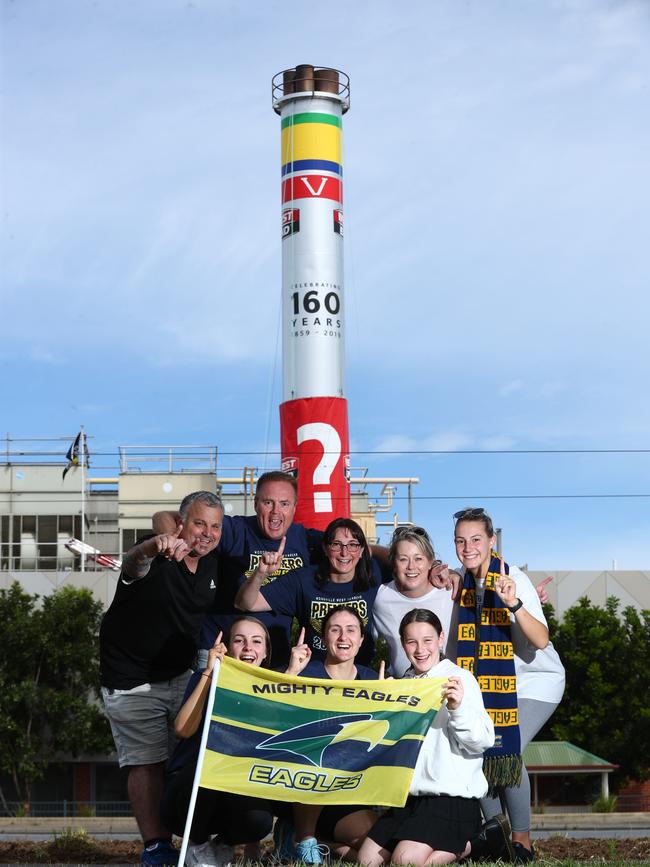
point(319, 608)
point(288, 564)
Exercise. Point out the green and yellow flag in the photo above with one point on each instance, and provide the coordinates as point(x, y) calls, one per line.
point(316, 741)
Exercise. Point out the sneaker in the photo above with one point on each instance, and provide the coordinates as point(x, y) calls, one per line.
point(161, 853)
point(522, 855)
point(283, 837)
point(309, 852)
point(210, 854)
point(493, 841)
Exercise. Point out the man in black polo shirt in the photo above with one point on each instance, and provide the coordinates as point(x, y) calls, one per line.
point(148, 640)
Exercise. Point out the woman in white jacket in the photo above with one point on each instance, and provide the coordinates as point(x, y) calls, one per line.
point(537, 666)
point(442, 812)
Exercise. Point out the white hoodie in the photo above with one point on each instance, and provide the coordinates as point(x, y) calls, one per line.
point(451, 758)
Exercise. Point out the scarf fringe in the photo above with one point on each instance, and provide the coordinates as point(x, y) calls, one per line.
point(502, 771)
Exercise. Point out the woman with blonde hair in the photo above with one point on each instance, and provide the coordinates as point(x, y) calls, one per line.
point(414, 565)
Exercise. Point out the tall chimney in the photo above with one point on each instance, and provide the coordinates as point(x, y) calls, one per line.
point(313, 416)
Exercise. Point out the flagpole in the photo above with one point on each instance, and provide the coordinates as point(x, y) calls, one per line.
point(83, 496)
point(199, 762)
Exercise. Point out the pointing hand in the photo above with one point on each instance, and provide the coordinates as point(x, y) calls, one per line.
point(300, 654)
point(217, 651)
point(271, 560)
point(541, 589)
point(505, 587)
point(170, 545)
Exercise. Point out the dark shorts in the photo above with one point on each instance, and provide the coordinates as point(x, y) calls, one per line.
point(440, 821)
point(236, 818)
point(331, 815)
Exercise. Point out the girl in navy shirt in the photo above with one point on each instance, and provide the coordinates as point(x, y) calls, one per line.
point(343, 827)
point(234, 818)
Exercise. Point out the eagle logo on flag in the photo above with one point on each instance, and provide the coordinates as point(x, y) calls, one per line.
point(310, 740)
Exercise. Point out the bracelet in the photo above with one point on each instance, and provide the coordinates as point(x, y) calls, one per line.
point(209, 676)
point(518, 604)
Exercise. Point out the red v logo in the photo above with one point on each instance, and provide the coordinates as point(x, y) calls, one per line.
point(306, 181)
point(312, 187)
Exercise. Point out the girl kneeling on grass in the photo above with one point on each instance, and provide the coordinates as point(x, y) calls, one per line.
point(340, 827)
point(442, 812)
point(233, 818)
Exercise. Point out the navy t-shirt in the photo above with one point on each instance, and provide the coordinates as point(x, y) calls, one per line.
point(298, 594)
point(240, 551)
point(316, 668)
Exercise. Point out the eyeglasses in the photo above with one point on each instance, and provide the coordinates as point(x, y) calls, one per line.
point(352, 547)
point(469, 512)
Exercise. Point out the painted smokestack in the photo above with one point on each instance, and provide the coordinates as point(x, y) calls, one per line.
point(314, 415)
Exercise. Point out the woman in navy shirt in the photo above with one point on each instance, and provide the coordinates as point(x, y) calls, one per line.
point(343, 827)
point(347, 575)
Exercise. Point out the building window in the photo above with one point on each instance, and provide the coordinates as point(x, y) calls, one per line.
point(37, 542)
point(130, 537)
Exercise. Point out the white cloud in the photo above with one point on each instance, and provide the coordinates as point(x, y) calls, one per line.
point(445, 441)
point(552, 389)
point(45, 356)
point(511, 387)
point(450, 441)
point(498, 442)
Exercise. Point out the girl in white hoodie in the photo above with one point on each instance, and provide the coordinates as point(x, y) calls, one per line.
point(442, 812)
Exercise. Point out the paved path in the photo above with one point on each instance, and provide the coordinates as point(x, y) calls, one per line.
point(544, 825)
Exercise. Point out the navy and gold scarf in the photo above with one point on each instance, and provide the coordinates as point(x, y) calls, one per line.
point(490, 656)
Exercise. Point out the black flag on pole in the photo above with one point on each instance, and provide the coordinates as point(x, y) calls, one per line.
point(72, 454)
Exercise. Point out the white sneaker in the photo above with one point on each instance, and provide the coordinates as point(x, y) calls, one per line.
point(210, 854)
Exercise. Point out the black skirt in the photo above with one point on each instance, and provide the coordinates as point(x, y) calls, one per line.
point(443, 822)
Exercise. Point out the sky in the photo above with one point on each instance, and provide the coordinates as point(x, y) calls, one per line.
point(497, 263)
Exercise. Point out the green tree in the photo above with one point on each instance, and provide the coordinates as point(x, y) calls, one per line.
point(49, 679)
point(605, 708)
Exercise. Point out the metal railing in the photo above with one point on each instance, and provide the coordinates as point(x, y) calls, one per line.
point(17, 562)
point(625, 803)
point(168, 459)
point(66, 808)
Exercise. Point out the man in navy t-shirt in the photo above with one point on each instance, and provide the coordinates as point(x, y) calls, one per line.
point(244, 539)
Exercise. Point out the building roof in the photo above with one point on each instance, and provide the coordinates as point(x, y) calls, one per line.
point(562, 757)
point(567, 588)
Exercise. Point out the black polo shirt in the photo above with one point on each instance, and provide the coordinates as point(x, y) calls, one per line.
point(150, 632)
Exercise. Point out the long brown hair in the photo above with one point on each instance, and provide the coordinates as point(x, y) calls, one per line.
point(363, 569)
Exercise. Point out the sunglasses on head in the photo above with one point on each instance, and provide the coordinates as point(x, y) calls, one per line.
point(408, 530)
point(469, 512)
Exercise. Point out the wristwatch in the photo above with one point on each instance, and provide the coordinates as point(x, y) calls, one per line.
point(518, 604)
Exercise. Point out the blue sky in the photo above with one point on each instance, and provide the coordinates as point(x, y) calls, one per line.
point(496, 251)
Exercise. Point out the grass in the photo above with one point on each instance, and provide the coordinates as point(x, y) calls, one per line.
point(76, 847)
